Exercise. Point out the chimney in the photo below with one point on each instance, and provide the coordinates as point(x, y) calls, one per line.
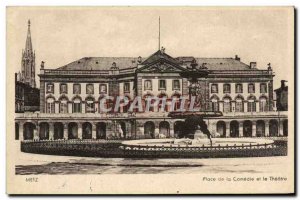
point(42, 64)
point(139, 59)
point(283, 83)
point(237, 58)
point(252, 65)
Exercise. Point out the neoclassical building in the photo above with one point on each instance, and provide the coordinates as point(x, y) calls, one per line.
point(70, 98)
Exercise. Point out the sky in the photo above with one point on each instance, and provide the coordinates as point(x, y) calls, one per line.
point(62, 35)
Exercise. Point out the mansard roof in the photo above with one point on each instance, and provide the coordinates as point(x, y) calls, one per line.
point(105, 63)
point(100, 63)
point(216, 63)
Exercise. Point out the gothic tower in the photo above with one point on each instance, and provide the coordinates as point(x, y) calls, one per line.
point(28, 61)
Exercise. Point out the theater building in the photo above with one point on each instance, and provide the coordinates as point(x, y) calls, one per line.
point(70, 98)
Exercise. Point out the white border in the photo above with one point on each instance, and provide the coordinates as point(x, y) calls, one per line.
point(5, 3)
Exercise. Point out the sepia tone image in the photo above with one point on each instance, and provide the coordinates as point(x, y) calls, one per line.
point(150, 100)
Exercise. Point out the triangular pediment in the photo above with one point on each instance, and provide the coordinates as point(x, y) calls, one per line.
point(161, 62)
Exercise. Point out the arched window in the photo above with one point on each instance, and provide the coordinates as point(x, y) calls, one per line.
point(77, 105)
point(50, 107)
point(227, 105)
point(251, 104)
point(239, 106)
point(90, 105)
point(177, 102)
point(263, 104)
point(63, 105)
point(214, 104)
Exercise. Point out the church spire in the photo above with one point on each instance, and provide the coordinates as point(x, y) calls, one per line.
point(28, 45)
point(28, 61)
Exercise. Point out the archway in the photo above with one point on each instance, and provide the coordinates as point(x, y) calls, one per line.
point(16, 131)
point(44, 131)
point(72, 130)
point(247, 128)
point(28, 131)
point(101, 130)
point(221, 128)
point(164, 128)
point(285, 127)
point(273, 128)
point(86, 130)
point(58, 131)
point(149, 129)
point(179, 129)
point(234, 129)
point(260, 128)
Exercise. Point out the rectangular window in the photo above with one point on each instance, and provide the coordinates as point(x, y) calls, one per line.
point(89, 89)
point(50, 88)
point(176, 85)
point(239, 88)
point(214, 88)
point(63, 89)
point(126, 87)
point(76, 107)
point(239, 107)
point(226, 88)
point(148, 85)
point(76, 89)
point(103, 89)
point(162, 85)
point(263, 88)
point(251, 107)
point(251, 88)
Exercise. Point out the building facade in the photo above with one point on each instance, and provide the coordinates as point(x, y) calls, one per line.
point(282, 97)
point(70, 97)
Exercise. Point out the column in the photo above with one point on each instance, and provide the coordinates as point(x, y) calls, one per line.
point(253, 128)
point(36, 132)
point(51, 131)
point(171, 129)
point(257, 106)
point(21, 131)
point(245, 106)
point(94, 136)
point(227, 129)
point(220, 106)
point(280, 124)
point(70, 110)
point(267, 131)
point(241, 131)
point(83, 107)
point(56, 107)
point(80, 131)
point(65, 131)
